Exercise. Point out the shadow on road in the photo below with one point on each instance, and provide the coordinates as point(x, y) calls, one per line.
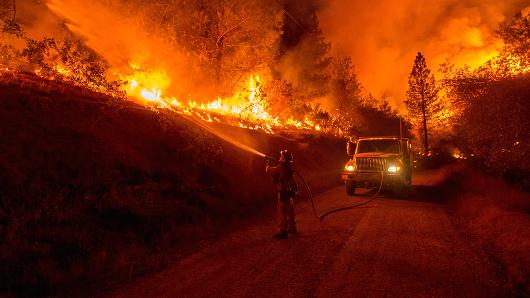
point(434, 186)
point(423, 193)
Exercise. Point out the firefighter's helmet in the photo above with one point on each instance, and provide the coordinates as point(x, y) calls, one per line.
point(286, 156)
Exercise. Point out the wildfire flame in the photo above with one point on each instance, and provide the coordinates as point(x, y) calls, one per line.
point(517, 66)
point(144, 84)
point(247, 108)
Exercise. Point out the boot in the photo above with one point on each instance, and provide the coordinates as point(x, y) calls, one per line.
point(292, 231)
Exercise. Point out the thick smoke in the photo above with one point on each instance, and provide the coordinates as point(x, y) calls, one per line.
point(125, 38)
point(383, 37)
point(35, 18)
point(176, 39)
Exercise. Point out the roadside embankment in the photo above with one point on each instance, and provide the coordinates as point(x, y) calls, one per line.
point(94, 188)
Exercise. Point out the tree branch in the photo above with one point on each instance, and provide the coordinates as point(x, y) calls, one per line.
point(232, 6)
point(227, 32)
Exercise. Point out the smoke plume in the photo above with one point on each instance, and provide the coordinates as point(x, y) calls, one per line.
point(383, 37)
point(126, 38)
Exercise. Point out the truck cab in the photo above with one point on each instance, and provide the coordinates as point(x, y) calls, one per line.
point(376, 158)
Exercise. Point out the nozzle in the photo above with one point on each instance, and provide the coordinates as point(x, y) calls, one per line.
point(270, 159)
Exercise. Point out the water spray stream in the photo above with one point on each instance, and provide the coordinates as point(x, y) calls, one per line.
point(256, 152)
point(225, 137)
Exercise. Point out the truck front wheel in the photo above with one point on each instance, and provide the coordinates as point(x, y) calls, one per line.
point(350, 188)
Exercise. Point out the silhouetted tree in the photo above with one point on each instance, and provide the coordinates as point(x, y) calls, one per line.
point(69, 59)
point(304, 52)
point(345, 91)
point(377, 117)
point(516, 37)
point(314, 63)
point(229, 38)
point(492, 120)
point(422, 97)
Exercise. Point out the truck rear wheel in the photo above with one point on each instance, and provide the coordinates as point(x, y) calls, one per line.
point(350, 188)
point(407, 179)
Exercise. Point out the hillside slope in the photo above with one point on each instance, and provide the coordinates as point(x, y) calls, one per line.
point(91, 184)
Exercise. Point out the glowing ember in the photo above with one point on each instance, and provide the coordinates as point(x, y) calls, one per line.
point(145, 84)
point(152, 95)
point(458, 155)
point(62, 70)
point(5, 68)
point(517, 66)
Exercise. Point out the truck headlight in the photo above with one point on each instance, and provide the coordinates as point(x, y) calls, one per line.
point(349, 168)
point(393, 169)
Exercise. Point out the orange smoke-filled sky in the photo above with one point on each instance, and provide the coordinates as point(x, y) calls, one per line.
point(383, 37)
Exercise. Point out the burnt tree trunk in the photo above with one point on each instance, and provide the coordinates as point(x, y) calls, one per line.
point(424, 114)
point(218, 59)
point(425, 138)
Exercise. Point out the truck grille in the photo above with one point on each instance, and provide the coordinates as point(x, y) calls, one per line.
point(370, 164)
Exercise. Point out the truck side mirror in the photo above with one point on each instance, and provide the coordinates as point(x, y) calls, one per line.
point(350, 148)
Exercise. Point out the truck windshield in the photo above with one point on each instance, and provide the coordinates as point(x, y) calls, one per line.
point(383, 146)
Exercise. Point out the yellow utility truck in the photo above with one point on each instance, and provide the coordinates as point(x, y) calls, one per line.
point(376, 158)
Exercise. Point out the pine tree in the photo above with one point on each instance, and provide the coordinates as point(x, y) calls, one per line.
point(422, 97)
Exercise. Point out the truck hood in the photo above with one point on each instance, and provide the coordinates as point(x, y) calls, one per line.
point(377, 154)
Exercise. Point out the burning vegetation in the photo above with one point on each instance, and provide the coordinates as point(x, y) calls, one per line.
point(249, 64)
point(222, 64)
point(73, 62)
point(268, 67)
point(264, 66)
point(489, 104)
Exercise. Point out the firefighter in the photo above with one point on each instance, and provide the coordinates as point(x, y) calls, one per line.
point(283, 177)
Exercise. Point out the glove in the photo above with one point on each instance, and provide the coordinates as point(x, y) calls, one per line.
point(269, 160)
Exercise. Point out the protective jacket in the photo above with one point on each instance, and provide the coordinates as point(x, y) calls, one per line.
point(283, 177)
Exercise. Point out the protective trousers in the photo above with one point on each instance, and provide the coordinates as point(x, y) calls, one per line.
point(285, 215)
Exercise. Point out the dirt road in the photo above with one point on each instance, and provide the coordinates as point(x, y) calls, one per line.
point(391, 247)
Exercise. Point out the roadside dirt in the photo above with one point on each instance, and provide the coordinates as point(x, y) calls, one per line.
point(391, 247)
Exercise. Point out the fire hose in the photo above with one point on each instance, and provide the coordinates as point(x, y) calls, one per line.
point(249, 149)
point(322, 216)
point(268, 158)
